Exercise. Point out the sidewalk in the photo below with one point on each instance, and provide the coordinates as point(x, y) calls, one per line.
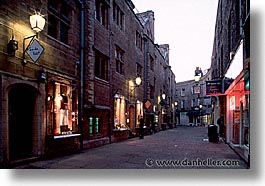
point(181, 147)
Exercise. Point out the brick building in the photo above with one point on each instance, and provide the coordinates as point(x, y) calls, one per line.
point(120, 48)
point(231, 62)
point(194, 106)
point(38, 95)
point(81, 91)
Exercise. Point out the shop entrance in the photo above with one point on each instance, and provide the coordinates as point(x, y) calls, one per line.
point(21, 102)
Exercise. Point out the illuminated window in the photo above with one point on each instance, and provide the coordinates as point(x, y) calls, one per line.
point(94, 126)
point(61, 109)
point(90, 125)
point(119, 113)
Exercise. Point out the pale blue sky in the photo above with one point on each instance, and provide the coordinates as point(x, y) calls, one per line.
point(188, 27)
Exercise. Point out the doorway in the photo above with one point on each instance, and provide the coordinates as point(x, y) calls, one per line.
point(21, 103)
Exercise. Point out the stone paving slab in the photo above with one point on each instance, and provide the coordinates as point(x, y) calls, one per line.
point(178, 148)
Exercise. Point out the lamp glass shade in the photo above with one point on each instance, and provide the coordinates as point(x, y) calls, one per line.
point(163, 96)
point(197, 78)
point(138, 81)
point(37, 22)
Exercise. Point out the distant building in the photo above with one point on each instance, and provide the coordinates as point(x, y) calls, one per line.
point(194, 108)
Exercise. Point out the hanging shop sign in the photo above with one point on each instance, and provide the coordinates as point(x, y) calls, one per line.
point(213, 87)
point(35, 50)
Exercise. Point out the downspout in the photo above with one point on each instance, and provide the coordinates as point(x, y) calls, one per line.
point(145, 77)
point(240, 18)
point(111, 104)
point(81, 94)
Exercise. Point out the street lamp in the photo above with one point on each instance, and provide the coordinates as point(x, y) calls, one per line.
point(163, 96)
point(37, 22)
point(198, 74)
point(163, 109)
point(197, 78)
point(200, 109)
point(138, 81)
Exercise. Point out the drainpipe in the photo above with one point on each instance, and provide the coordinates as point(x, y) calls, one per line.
point(81, 92)
point(145, 77)
point(240, 18)
point(111, 102)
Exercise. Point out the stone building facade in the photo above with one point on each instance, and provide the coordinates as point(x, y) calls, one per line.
point(38, 97)
point(193, 105)
point(81, 91)
point(120, 49)
point(231, 62)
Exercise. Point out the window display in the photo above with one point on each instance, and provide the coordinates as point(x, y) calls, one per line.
point(61, 109)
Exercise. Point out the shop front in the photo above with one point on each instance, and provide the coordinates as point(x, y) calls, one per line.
point(62, 130)
point(238, 114)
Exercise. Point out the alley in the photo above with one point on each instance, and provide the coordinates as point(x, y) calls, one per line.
point(181, 147)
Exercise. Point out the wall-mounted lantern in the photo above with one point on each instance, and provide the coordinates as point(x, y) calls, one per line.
point(163, 96)
point(37, 23)
point(138, 81)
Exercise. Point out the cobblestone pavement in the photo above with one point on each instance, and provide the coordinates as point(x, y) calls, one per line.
point(178, 148)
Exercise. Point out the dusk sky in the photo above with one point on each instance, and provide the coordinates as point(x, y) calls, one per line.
point(188, 27)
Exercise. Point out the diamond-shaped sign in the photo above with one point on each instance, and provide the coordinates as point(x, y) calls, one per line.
point(35, 50)
point(147, 104)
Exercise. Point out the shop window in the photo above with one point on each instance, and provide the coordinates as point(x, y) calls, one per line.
point(101, 66)
point(139, 112)
point(58, 20)
point(120, 113)
point(102, 12)
point(61, 109)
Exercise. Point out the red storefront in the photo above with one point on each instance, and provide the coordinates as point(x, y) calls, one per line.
point(237, 112)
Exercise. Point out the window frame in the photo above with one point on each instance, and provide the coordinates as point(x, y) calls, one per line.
point(101, 66)
point(119, 61)
point(59, 22)
point(102, 13)
point(62, 103)
point(118, 16)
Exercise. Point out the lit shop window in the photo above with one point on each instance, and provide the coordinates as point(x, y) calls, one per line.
point(119, 112)
point(139, 112)
point(61, 109)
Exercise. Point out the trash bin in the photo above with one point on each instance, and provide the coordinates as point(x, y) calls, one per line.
point(212, 133)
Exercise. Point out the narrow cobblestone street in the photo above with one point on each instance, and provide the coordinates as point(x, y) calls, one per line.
point(181, 147)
